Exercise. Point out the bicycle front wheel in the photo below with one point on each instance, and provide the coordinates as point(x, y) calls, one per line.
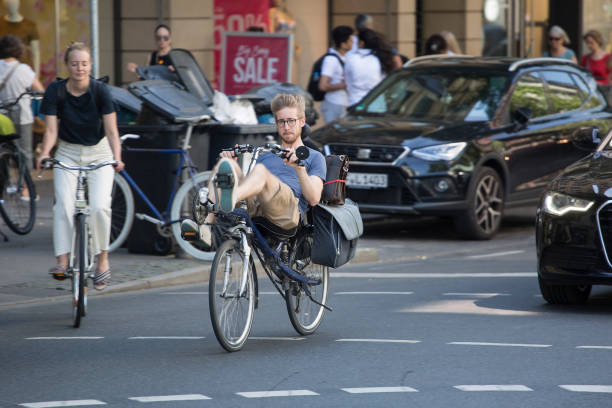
point(18, 212)
point(304, 314)
point(181, 209)
point(78, 275)
point(231, 312)
point(122, 212)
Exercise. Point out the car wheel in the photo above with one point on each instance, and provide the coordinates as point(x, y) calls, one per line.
point(564, 294)
point(485, 204)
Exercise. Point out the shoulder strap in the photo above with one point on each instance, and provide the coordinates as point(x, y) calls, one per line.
point(61, 96)
point(8, 76)
point(94, 85)
point(335, 55)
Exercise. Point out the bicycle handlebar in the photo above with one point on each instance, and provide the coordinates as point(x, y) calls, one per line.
point(301, 152)
point(90, 167)
point(35, 94)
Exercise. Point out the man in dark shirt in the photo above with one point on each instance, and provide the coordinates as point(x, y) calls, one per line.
point(277, 189)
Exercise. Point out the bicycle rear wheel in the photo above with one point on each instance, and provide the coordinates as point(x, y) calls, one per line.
point(231, 312)
point(78, 275)
point(304, 314)
point(181, 209)
point(18, 213)
point(122, 215)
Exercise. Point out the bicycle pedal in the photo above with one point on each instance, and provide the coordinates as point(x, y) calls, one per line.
point(224, 180)
point(189, 235)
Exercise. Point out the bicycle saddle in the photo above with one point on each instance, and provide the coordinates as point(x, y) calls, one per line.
point(267, 226)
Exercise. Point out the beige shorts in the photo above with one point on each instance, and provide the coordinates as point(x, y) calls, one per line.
point(282, 209)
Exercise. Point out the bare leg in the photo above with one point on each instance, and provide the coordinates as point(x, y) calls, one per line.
point(62, 260)
point(102, 261)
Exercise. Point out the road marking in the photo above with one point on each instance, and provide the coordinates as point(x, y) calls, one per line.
point(493, 387)
point(588, 388)
point(168, 398)
point(64, 338)
point(595, 347)
point(166, 338)
point(493, 255)
point(266, 394)
point(371, 390)
point(476, 294)
point(416, 275)
point(278, 338)
point(374, 293)
point(184, 293)
point(473, 343)
point(52, 404)
point(379, 341)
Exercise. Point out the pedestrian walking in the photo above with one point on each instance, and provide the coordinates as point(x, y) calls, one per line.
point(557, 45)
point(332, 81)
point(597, 60)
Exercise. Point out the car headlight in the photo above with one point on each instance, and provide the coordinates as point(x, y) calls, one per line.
point(440, 152)
point(560, 204)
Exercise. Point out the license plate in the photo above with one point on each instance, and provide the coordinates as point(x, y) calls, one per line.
point(367, 180)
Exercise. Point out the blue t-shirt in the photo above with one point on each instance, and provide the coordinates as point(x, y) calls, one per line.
point(568, 54)
point(315, 166)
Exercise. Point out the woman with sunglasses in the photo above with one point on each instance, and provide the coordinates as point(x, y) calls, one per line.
point(163, 40)
point(557, 42)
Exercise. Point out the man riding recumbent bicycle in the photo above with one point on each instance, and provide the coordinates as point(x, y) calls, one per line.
point(262, 207)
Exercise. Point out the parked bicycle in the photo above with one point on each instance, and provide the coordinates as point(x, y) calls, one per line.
point(283, 254)
point(81, 261)
point(17, 193)
point(179, 201)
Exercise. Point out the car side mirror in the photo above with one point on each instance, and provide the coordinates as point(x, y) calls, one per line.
point(586, 138)
point(522, 115)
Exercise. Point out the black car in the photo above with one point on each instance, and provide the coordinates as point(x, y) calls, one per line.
point(465, 137)
point(574, 228)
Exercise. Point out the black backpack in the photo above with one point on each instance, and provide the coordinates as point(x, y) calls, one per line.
point(315, 76)
point(95, 85)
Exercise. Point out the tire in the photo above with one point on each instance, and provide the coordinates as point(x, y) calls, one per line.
point(485, 204)
point(19, 215)
point(564, 294)
point(304, 314)
point(232, 317)
point(79, 276)
point(122, 216)
point(181, 209)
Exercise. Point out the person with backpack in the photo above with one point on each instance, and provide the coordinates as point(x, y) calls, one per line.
point(332, 83)
point(79, 111)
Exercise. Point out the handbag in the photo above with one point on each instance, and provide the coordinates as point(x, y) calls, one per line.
point(334, 188)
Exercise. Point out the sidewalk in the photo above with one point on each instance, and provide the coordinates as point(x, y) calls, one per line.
point(25, 259)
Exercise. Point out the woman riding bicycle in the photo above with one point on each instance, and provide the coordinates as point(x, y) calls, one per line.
point(277, 189)
point(15, 78)
point(87, 133)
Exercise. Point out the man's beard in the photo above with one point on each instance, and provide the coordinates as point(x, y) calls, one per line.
point(290, 138)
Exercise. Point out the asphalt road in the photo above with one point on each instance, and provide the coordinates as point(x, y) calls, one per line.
point(463, 326)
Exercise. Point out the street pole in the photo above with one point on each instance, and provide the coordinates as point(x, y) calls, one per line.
point(95, 43)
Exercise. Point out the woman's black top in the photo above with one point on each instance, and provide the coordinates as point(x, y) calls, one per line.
point(159, 59)
point(80, 119)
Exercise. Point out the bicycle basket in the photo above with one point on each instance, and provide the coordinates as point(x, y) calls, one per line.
point(7, 128)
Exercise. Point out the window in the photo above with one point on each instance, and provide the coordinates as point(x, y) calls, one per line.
point(529, 93)
point(563, 91)
point(590, 92)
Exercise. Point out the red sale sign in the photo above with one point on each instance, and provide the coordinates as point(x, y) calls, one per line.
point(253, 59)
point(236, 15)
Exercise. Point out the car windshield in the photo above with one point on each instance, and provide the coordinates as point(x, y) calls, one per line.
point(444, 96)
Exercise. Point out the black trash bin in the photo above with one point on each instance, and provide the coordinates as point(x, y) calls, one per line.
point(221, 136)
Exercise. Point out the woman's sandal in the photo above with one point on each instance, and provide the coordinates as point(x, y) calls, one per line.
point(101, 279)
point(58, 272)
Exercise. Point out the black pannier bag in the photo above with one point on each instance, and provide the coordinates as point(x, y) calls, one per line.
point(337, 229)
point(334, 188)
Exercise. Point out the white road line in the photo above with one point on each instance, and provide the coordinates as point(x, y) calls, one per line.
point(184, 293)
point(595, 347)
point(372, 390)
point(166, 338)
point(416, 275)
point(169, 398)
point(278, 338)
point(588, 388)
point(266, 394)
point(53, 404)
point(476, 294)
point(64, 338)
point(379, 341)
point(374, 293)
point(474, 343)
point(493, 387)
point(493, 255)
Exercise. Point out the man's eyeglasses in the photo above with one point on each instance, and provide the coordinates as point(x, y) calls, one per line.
point(555, 38)
point(282, 122)
point(162, 37)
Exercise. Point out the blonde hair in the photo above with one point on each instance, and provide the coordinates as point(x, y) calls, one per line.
point(75, 46)
point(451, 42)
point(282, 101)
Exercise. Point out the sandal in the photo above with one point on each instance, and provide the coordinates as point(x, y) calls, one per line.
point(101, 279)
point(58, 272)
